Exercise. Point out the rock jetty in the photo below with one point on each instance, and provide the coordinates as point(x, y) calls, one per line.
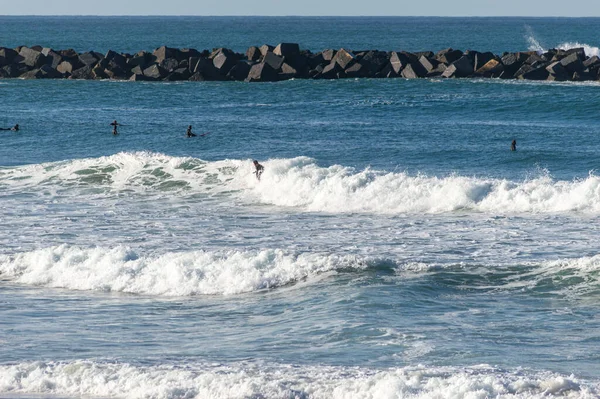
point(286, 61)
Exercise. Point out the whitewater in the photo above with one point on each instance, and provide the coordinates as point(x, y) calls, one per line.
point(301, 183)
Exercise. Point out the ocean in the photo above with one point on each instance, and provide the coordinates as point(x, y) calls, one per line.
point(394, 246)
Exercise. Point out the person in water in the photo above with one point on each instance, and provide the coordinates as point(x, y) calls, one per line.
point(189, 132)
point(259, 169)
point(513, 145)
point(15, 128)
point(114, 124)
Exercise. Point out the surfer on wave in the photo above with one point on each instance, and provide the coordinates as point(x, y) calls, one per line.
point(259, 169)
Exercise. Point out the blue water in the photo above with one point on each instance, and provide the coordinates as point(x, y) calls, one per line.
point(393, 247)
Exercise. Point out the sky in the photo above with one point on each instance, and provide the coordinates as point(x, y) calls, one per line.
point(536, 8)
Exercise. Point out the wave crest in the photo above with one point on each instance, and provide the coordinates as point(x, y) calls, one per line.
point(301, 183)
point(172, 274)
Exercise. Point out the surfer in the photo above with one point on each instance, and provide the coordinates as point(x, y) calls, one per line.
point(189, 132)
point(513, 145)
point(15, 128)
point(114, 124)
point(259, 169)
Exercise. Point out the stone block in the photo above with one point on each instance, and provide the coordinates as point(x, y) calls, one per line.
point(582, 76)
point(206, 68)
point(273, 60)
point(139, 78)
point(224, 61)
point(399, 61)
point(141, 59)
point(374, 60)
point(344, 58)
point(115, 57)
point(460, 68)
point(429, 64)
point(315, 60)
point(592, 63)
point(7, 56)
point(529, 72)
point(14, 70)
point(165, 52)
point(532, 59)
point(88, 59)
point(253, 53)
point(331, 71)
point(82, 73)
point(491, 68)
point(449, 55)
point(573, 63)
point(240, 71)
point(53, 59)
point(481, 59)
point(328, 55)
point(155, 72)
point(66, 67)
point(266, 48)
point(32, 58)
point(286, 49)
point(197, 77)
point(186, 53)
point(98, 72)
point(297, 61)
point(426, 54)
point(512, 62)
point(262, 72)
point(556, 68)
point(44, 72)
point(287, 69)
point(358, 70)
point(413, 71)
point(169, 64)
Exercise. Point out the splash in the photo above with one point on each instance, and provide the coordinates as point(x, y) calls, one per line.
point(535, 45)
point(590, 51)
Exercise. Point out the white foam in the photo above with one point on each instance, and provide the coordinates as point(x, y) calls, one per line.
point(172, 274)
point(590, 51)
point(138, 171)
point(301, 183)
point(86, 378)
point(535, 45)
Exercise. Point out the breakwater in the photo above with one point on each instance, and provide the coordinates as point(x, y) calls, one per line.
point(287, 61)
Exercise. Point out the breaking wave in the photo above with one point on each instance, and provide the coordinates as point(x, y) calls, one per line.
point(172, 274)
point(248, 380)
point(301, 183)
point(230, 272)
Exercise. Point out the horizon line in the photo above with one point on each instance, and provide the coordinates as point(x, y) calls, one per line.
point(300, 16)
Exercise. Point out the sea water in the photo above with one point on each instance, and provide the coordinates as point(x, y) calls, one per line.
point(394, 246)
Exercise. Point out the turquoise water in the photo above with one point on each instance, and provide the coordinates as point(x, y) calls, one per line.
point(394, 246)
